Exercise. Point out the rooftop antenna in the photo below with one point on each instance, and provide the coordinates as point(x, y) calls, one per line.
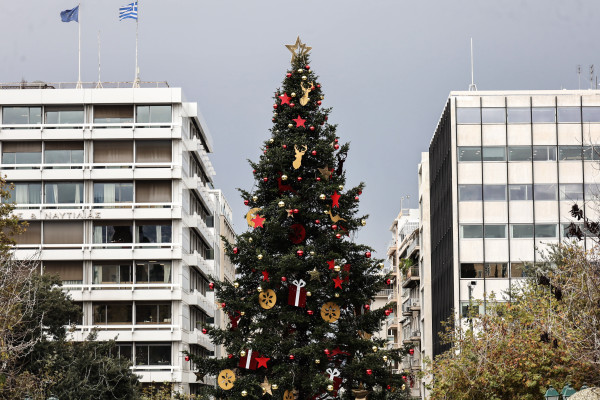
point(579, 75)
point(99, 84)
point(472, 86)
point(592, 76)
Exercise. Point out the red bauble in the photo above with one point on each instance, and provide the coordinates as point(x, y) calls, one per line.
point(359, 192)
point(326, 351)
point(334, 227)
point(300, 253)
point(369, 372)
point(223, 305)
point(296, 211)
point(337, 146)
point(317, 221)
point(307, 66)
point(367, 307)
point(310, 312)
point(336, 140)
point(275, 106)
point(387, 313)
point(235, 250)
point(338, 235)
point(319, 102)
point(326, 117)
point(273, 119)
point(211, 286)
point(246, 202)
point(312, 88)
point(264, 152)
point(318, 179)
point(284, 146)
point(253, 171)
point(283, 279)
point(292, 357)
point(388, 281)
point(299, 179)
point(314, 152)
point(368, 254)
point(388, 387)
point(312, 128)
point(404, 377)
point(289, 74)
point(318, 85)
point(204, 331)
point(265, 179)
point(187, 358)
point(411, 351)
point(356, 198)
point(229, 355)
point(292, 104)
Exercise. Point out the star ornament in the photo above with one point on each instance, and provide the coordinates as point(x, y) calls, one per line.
point(265, 277)
point(335, 198)
point(258, 221)
point(314, 274)
point(298, 49)
point(331, 264)
point(266, 386)
point(285, 99)
point(338, 282)
point(299, 122)
point(262, 362)
point(325, 172)
point(290, 213)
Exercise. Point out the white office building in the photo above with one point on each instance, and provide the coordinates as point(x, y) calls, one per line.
point(116, 185)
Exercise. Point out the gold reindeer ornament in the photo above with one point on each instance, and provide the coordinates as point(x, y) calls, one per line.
point(305, 91)
point(299, 154)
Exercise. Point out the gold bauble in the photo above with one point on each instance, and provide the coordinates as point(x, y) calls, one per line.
point(341, 187)
point(322, 196)
point(337, 268)
point(385, 358)
point(329, 388)
point(312, 253)
point(242, 313)
point(299, 70)
point(308, 294)
point(322, 97)
point(290, 125)
point(271, 140)
point(274, 386)
point(381, 265)
point(275, 114)
point(363, 222)
point(281, 204)
point(250, 240)
point(304, 77)
point(254, 198)
point(243, 353)
point(236, 285)
point(375, 348)
point(260, 256)
point(403, 386)
point(293, 94)
point(337, 295)
point(244, 393)
point(317, 361)
point(284, 177)
point(259, 289)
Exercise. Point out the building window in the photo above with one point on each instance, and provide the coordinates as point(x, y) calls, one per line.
point(548, 231)
point(153, 313)
point(113, 114)
point(469, 193)
point(153, 114)
point(591, 153)
point(113, 313)
point(494, 231)
point(543, 115)
point(494, 115)
point(545, 192)
point(152, 354)
point(198, 318)
point(494, 192)
point(571, 192)
point(21, 115)
point(70, 272)
point(469, 154)
point(63, 232)
point(25, 193)
point(570, 153)
point(152, 191)
point(125, 351)
point(63, 192)
point(519, 153)
point(153, 231)
point(522, 231)
point(519, 270)
point(544, 153)
point(153, 272)
point(592, 191)
point(496, 270)
point(32, 234)
point(591, 114)
point(63, 153)
point(22, 153)
point(471, 231)
point(474, 305)
point(112, 274)
point(197, 244)
point(466, 115)
point(63, 115)
point(518, 115)
point(198, 282)
point(569, 114)
point(113, 151)
point(494, 154)
point(112, 232)
point(153, 151)
point(520, 192)
point(120, 192)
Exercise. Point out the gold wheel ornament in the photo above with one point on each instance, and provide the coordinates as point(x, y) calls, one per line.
point(330, 312)
point(250, 215)
point(226, 379)
point(289, 395)
point(267, 299)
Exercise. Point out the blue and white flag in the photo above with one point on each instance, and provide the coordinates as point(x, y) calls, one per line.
point(130, 11)
point(71, 15)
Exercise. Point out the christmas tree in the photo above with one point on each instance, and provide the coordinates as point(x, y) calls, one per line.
point(301, 325)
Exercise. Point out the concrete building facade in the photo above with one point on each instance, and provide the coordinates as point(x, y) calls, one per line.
point(116, 185)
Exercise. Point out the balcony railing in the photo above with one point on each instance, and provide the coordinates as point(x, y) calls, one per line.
point(96, 246)
point(83, 85)
point(117, 286)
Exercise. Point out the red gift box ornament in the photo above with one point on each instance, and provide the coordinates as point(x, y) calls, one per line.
point(297, 294)
point(334, 375)
point(249, 360)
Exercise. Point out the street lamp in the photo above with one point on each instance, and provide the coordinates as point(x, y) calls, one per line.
point(567, 391)
point(551, 394)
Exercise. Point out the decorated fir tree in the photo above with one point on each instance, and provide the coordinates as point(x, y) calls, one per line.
point(301, 325)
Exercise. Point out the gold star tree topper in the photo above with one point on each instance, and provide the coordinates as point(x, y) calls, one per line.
point(298, 49)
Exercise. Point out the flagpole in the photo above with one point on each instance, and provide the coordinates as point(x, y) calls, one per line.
point(99, 84)
point(136, 83)
point(79, 86)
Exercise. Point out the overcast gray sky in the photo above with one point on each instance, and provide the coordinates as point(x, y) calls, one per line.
point(386, 67)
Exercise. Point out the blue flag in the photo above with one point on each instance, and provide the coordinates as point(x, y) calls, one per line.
point(130, 11)
point(70, 15)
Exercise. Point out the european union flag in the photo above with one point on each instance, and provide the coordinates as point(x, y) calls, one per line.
point(70, 15)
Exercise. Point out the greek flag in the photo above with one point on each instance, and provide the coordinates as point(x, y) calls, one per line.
point(130, 11)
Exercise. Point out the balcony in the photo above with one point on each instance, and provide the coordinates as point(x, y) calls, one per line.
point(415, 304)
point(411, 277)
point(406, 308)
point(385, 293)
